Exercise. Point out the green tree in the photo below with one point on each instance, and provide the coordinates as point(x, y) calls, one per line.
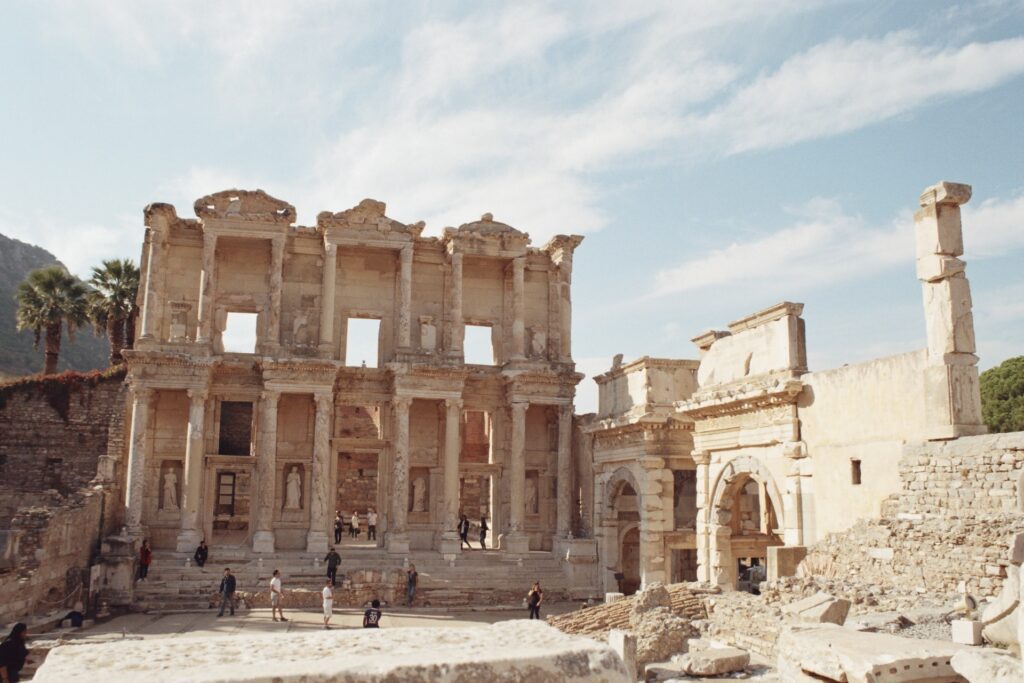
point(1002, 396)
point(48, 299)
point(112, 303)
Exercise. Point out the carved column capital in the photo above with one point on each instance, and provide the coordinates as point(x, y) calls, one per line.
point(453, 403)
point(401, 402)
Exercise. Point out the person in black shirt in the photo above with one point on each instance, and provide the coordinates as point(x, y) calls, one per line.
point(371, 618)
point(339, 525)
point(483, 533)
point(227, 592)
point(464, 532)
point(411, 578)
point(533, 600)
point(202, 552)
point(333, 559)
point(14, 654)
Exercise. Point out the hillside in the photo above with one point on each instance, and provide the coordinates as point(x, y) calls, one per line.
point(17, 357)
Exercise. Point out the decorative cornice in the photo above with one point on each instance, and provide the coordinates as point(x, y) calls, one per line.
point(741, 397)
point(245, 205)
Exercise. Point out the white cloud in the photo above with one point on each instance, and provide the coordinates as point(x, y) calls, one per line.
point(993, 227)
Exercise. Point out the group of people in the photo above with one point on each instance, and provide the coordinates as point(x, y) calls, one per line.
point(464, 525)
point(353, 522)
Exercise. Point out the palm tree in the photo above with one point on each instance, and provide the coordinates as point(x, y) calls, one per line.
point(112, 303)
point(48, 299)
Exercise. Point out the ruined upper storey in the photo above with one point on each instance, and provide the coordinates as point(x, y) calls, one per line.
point(245, 255)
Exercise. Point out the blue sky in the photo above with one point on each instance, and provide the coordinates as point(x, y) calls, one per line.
point(718, 156)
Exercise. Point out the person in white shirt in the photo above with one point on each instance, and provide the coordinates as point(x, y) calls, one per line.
point(371, 525)
point(355, 525)
point(275, 596)
point(328, 593)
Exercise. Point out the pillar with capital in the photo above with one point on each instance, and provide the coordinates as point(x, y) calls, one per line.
point(458, 326)
point(142, 398)
point(319, 501)
point(330, 273)
point(190, 532)
point(398, 532)
point(207, 288)
point(266, 468)
point(405, 298)
point(152, 307)
point(276, 277)
point(517, 540)
point(518, 307)
point(452, 449)
point(565, 480)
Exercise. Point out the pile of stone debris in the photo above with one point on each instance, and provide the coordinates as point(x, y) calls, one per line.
point(684, 600)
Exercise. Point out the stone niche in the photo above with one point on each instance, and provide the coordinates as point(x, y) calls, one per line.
point(419, 495)
point(169, 490)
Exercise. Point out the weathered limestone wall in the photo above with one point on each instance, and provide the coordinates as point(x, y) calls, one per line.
point(865, 413)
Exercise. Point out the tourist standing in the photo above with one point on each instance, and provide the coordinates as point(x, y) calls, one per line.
point(411, 579)
point(227, 592)
point(371, 618)
point(533, 600)
point(483, 533)
point(464, 532)
point(371, 525)
point(276, 596)
point(339, 525)
point(14, 654)
point(202, 552)
point(328, 593)
point(333, 559)
point(145, 559)
point(355, 525)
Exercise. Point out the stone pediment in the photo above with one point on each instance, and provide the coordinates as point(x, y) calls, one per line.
point(487, 235)
point(245, 205)
point(368, 217)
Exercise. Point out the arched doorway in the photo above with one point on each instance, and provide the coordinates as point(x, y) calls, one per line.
point(620, 551)
point(630, 561)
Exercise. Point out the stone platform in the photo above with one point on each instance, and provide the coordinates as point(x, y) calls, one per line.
point(507, 651)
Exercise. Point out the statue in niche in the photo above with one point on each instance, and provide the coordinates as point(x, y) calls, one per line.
point(538, 343)
point(170, 490)
point(419, 495)
point(428, 334)
point(300, 329)
point(293, 490)
point(531, 496)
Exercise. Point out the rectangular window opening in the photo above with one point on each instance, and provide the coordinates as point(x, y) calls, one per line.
point(477, 347)
point(239, 333)
point(226, 493)
point(362, 343)
point(235, 428)
point(855, 472)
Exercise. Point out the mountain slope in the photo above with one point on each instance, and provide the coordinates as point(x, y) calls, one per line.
point(17, 357)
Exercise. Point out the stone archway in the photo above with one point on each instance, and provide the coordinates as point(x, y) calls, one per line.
point(746, 515)
point(621, 546)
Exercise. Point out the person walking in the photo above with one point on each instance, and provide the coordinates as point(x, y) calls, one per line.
point(14, 654)
point(371, 618)
point(328, 593)
point(333, 559)
point(483, 533)
point(371, 525)
point(411, 579)
point(534, 599)
point(464, 532)
point(339, 525)
point(355, 524)
point(276, 596)
point(227, 592)
point(202, 552)
point(145, 559)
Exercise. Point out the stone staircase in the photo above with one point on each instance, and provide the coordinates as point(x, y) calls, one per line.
point(476, 578)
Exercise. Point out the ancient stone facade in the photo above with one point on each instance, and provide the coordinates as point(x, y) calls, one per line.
point(257, 449)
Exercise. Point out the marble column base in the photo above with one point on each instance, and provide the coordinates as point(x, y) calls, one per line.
point(450, 544)
point(263, 542)
point(397, 543)
point(316, 542)
point(188, 540)
point(516, 543)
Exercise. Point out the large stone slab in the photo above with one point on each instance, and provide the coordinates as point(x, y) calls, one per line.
point(511, 651)
point(833, 653)
point(820, 608)
point(714, 661)
point(988, 666)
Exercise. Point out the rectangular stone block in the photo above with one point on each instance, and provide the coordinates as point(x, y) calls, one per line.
point(967, 632)
point(784, 559)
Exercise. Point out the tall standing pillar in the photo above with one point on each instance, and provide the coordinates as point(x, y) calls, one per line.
point(405, 298)
point(319, 501)
point(564, 502)
point(703, 524)
point(518, 307)
point(330, 274)
point(452, 449)
point(398, 532)
point(276, 277)
point(518, 541)
point(141, 405)
point(151, 305)
point(951, 380)
point(266, 473)
point(190, 532)
point(458, 329)
point(206, 288)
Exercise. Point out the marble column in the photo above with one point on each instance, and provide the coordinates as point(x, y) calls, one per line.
point(273, 341)
point(151, 305)
point(565, 305)
point(703, 524)
point(496, 520)
point(564, 503)
point(458, 329)
point(518, 308)
point(319, 501)
point(190, 532)
point(207, 288)
point(405, 298)
point(517, 540)
point(330, 273)
point(266, 473)
point(398, 534)
point(452, 449)
point(134, 496)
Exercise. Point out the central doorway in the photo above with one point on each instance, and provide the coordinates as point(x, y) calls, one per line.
point(356, 493)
